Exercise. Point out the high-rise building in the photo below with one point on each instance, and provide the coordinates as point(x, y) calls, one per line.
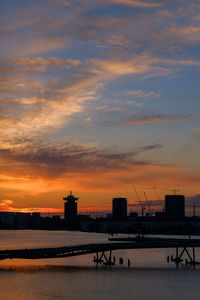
point(70, 213)
point(119, 208)
point(175, 207)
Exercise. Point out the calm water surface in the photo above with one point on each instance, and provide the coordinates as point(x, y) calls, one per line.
point(148, 278)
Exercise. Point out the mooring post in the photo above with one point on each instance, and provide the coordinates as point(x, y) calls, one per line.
point(193, 250)
point(97, 256)
point(97, 260)
point(177, 258)
point(110, 258)
point(176, 252)
point(194, 259)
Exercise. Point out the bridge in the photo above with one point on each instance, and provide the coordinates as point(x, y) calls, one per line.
point(103, 251)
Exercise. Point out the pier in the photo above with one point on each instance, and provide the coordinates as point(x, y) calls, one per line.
point(103, 251)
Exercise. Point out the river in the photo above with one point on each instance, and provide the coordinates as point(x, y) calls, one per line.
point(149, 276)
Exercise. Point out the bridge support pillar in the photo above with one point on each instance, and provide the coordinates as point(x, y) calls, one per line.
point(104, 259)
point(190, 260)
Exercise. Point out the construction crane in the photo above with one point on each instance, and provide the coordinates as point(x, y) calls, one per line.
point(174, 190)
point(159, 201)
point(140, 202)
point(194, 206)
point(148, 204)
point(158, 198)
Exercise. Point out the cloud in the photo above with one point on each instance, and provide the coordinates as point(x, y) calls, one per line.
point(41, 103)
point(196, 131)
point(166, 13)
point(62, 2)
point(89, 51)
point(31, 104)
point(134, 3)
point(35, 31)
point(6, 205)
point(189, 34)
point(9, 206)
point(139, 64)
point(118, 40)
point(196, 18)
point(59, 160)
point(40, 95)
point(39, 45)
point(115, 110)
point(24, 65)
point(41, 171)
point(154, 119)
point(142, 94)
point(38, 169)
point(179, 35)
point(144, 63)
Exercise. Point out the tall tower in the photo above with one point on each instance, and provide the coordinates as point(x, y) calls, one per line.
point(70, 207)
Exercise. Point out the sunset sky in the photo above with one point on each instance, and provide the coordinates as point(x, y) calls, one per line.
point(95, 96)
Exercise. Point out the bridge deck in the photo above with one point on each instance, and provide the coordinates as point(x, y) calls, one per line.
point(41, 253)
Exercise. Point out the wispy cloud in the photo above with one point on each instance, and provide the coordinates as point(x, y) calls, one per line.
point(143, 94)
point(166, 13)
point(62, 2)
point(118, 40)
point(134, 3)
point(189, 34)
point(154, 119)
point(32, 104)
point(20, 65)
point(7, 205)
point(196, 130)
point(40, 45)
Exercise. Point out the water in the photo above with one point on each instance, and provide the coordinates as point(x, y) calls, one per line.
point(149, 276)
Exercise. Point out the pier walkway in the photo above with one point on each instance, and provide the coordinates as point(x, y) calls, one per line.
point(103, 251)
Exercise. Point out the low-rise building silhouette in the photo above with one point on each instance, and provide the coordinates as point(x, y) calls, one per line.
point(22, 220)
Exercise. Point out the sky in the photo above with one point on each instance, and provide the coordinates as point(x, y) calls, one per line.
point(97, 96)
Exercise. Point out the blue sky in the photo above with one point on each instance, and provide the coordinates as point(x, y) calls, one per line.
point(98, 89)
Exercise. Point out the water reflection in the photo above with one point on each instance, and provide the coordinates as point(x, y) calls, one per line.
point(64, 268)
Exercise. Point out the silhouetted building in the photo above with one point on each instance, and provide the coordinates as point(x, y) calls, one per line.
point(174, 207)
point(7, 219)
point(70, 213)
point(133, 214)
point(119, 208)
point(36, 220)
point(159, 215)
point(22, 220)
